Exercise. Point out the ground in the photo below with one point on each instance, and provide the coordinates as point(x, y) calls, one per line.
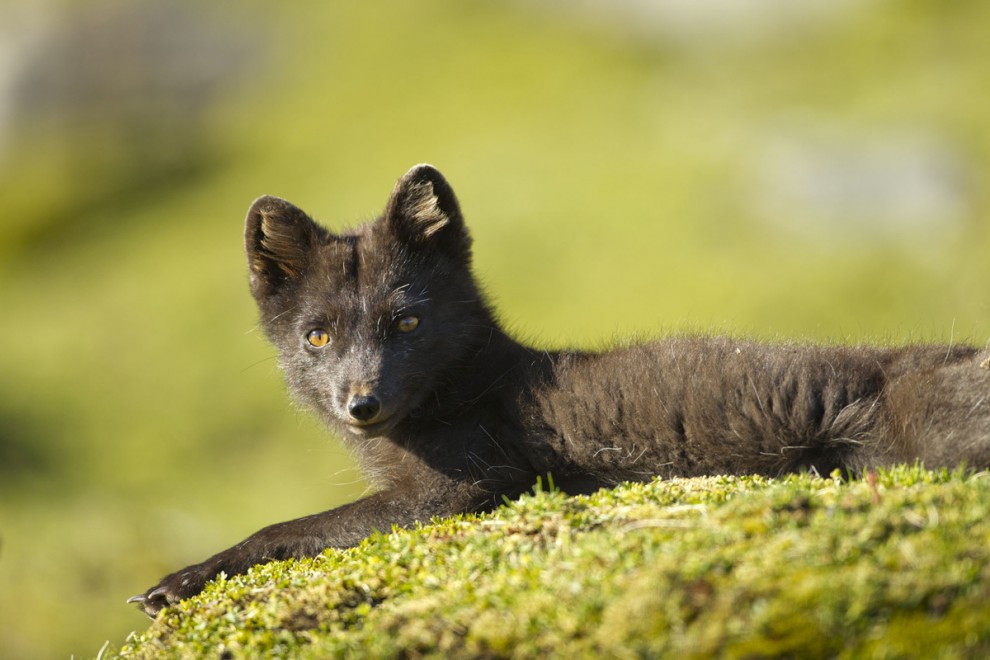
point(892, 564)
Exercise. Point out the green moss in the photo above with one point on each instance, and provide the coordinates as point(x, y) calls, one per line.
point(742, 567)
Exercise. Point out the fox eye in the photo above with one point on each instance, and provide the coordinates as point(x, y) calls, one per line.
point(318, 338)
point(407, 323)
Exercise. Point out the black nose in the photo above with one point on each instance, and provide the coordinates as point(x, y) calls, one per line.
point(364, 408)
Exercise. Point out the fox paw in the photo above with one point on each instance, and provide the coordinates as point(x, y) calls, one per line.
point(173, 588)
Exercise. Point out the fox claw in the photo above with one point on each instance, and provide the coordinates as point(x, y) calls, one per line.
point(153, 602)
point(157, 593)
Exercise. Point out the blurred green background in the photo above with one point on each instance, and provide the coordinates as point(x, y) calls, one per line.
point(814, 170)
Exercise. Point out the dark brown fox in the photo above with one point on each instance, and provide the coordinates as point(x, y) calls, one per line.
point(384, 332)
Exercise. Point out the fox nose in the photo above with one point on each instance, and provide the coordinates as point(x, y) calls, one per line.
point(364, 408)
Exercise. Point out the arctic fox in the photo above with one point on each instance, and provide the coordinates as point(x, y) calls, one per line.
point(384, 332)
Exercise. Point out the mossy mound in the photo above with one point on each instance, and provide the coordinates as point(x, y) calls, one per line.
point(893, 565)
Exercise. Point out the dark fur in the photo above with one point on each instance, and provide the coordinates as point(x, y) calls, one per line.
point(452, 416)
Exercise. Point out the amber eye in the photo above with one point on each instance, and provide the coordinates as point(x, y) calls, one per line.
point(407, 323)
point(318, 338)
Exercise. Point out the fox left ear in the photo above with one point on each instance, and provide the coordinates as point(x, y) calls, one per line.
point(279, 239)
point(424, 212)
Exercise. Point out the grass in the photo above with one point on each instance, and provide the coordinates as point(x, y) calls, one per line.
point(893, 565)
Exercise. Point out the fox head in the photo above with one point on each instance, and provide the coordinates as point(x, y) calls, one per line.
point(367, 322)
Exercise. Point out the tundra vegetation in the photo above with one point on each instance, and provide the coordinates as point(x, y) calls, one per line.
point(893, 564)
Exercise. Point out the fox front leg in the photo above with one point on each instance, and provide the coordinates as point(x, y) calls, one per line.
point(343, 527)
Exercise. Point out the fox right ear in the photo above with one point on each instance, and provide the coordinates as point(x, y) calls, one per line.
point(278, 238)
point(423, 211)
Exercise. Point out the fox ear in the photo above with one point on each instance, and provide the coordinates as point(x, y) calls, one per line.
point(424, 212)
point(278, 238)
